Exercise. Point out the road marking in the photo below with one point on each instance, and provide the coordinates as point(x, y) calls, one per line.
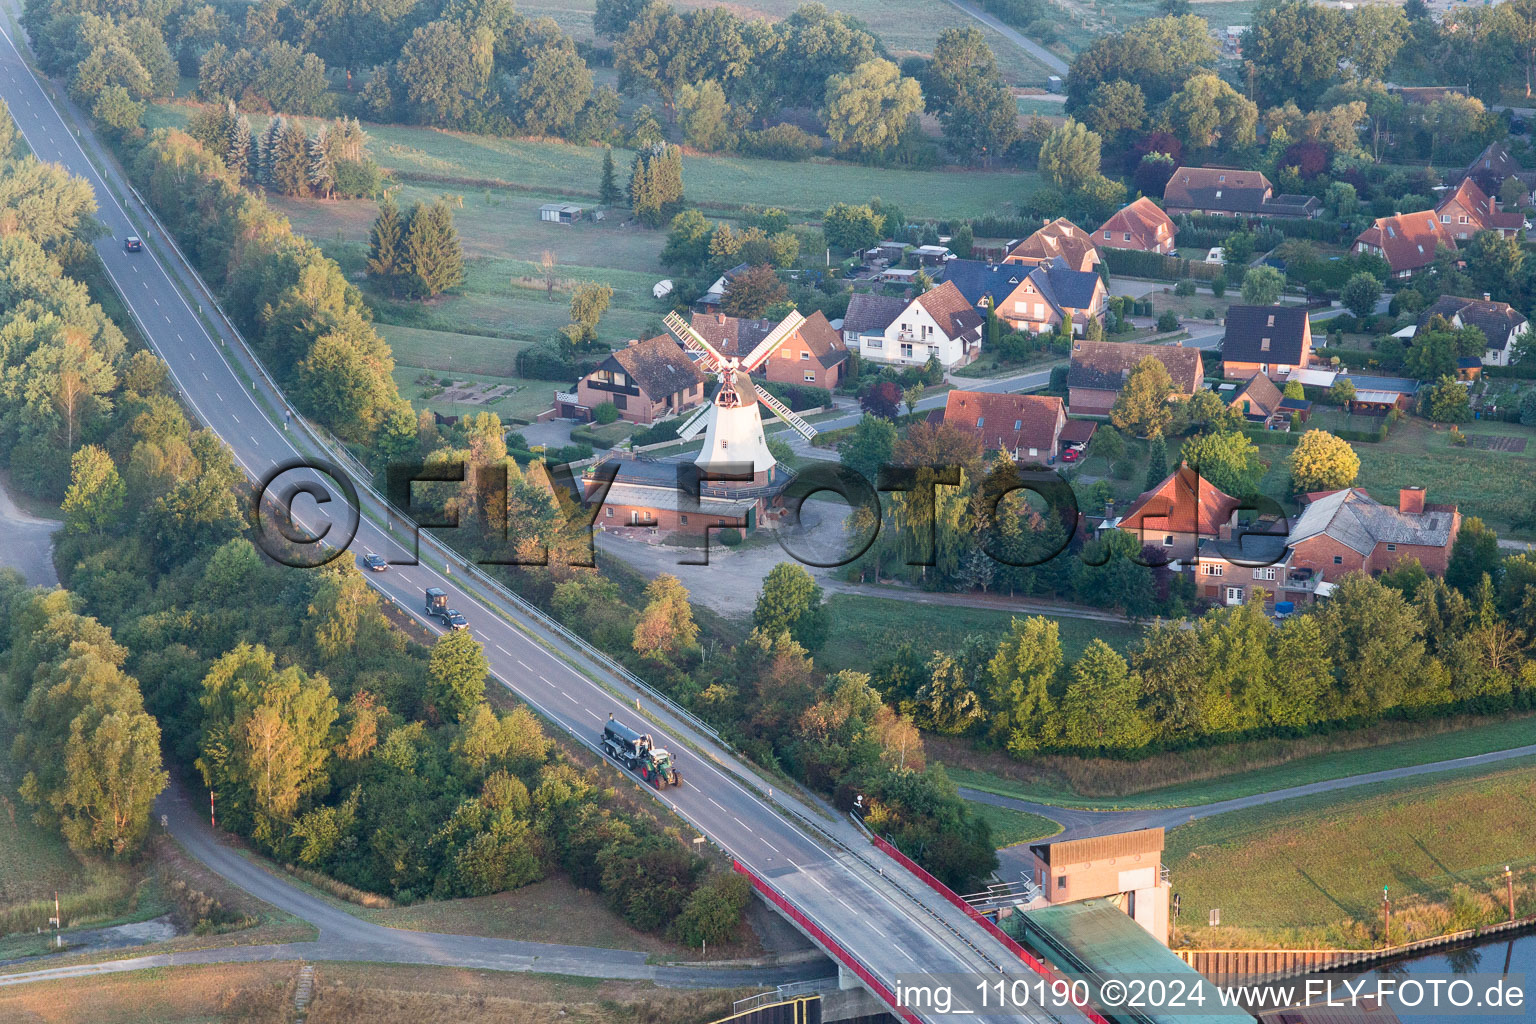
point(503, 650)
point(205, 376)
point(904, 953)
point(254, 441)
point(589, 711)
point(234, 417)
point(712, 800)
point(770, 846)
point(546, 682)
point(741, 823)
point(525, 666)
point(843, 902)
point(218, 396)
point(568, 697)
point(156, 301)
point(193, 356)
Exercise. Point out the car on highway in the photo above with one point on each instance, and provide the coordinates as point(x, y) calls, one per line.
point(453, 620)
point(375, 563)
point(132, 244)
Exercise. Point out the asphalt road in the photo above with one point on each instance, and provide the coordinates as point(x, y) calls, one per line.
point(1015, 37)
point(883, 916)
point(28, 543)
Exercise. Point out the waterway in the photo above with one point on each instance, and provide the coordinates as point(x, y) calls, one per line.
point(1510, 960)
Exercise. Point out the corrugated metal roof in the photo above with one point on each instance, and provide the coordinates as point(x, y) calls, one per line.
point(1120, 844)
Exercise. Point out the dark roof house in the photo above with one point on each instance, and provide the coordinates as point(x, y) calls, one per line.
point(870, 313)
point(1267, 334)
point(658, 365)
point(1230, 191)
point(1099, 370)
point(1500, 322)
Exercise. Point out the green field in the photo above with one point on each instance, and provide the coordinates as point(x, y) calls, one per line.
point(864, 628)
point(1236, 783)
point(1309, 872)
point(1010, 827)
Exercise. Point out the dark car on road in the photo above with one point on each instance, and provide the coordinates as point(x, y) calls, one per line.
point(453, 620)
point(374, 562)
point(132, 244)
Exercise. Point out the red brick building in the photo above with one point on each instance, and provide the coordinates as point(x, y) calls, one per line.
point(1027, 427)
point(813, 356)
point(1140, 225)
point(1061, 239)
point(1272, 340)
point(1468, 210)
point(1176, 514)
point(646, 381)
point(1407, 241)
point(1099, 369)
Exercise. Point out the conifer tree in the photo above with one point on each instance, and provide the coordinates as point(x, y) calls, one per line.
point(384, 244)
point(656, 184)
point(322, 172)
point(432, 251)
point(238, 146)
point(608, 189)
point(266, 148)
point(290, 161)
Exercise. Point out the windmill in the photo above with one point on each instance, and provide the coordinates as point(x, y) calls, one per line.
point(734, 424)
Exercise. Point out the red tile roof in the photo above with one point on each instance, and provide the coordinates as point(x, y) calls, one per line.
point(1058, 238)
point(950, 310)
point(1146, 222)
point(1183, 503)
point(1007, 422)
point(1482, 209)
point(1408, 240)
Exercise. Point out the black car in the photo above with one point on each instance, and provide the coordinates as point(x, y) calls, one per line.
point(374, 562)
point(453, 620)
point(132, 244)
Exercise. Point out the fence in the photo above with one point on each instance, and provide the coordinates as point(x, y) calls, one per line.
point(826, 942)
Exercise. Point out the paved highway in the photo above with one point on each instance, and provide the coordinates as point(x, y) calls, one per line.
point(880, 914)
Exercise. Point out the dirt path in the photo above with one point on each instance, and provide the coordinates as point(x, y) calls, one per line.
point(28, 543)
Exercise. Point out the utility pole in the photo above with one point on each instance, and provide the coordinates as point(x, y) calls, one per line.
point(1509, 884)
point(1386, 916)
point(212, 821)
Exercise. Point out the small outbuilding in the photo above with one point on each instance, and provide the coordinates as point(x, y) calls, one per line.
point(560, 213)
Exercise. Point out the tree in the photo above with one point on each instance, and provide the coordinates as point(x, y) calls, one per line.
point(1237, 249)
point(1023, 676)
point(1142, 405)
point(608, 188)
point(1294, 48)
point(1229, 460)
point(1446, 401)
point(1099, 709)
point(94, 501)
point(611, 17)
point(1158, 54)
point(869, 447)
point(322, 170)
point(1375, 34)
point(1069, 156)
point(288, 169)
point(713, 911)
point(1475, 554)
point(1294, 390)
point(1342, 392)
point(656, 184)
point(434, 260)
point(1262, 286)
point(882, 400)
point(1208, 111)
point(705, 116)
point(791, 601)
point(438, 74)
point(1322, 462)
point(850, 228)
point(1516, 22)
point(1117, 110)
point(1433, 352)
point(1157, 461)
point(1528, 408)
point(386, 258)
point(589, 302)
point(456, 673)
point(750, 293)
point(867, 110)
point(665, 627)
point(1361, 293)
point(1496, 264)
point(965, 86)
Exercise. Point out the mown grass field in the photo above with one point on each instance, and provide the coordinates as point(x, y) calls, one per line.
point(1225, 773)
point(1010, 827)
point(346, 993)
point(1310, 872)
point(864, 628)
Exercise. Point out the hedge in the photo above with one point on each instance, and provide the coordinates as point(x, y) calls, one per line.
point(1520, 371)
point(1135, 263)
point(1317, 229)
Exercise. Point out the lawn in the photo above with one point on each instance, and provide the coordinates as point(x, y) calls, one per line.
point(1228, 773)
point(263, 993)
point(531, 397)
point(1010, 827)
point(864, 628)
point(1310, 872)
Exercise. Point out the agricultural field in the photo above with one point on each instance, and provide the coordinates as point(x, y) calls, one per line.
point(263, 993)
point(907, 27)
point(1309, 873)
point(1082, 21)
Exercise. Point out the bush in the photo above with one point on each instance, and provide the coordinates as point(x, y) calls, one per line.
point(1123, 469)
point(731, 538)
point(781, 142)
point(659, 432)
point(545, 362)
point(1184, 288)
point(606, 413)
point(1058, 378)
point(1168, 321)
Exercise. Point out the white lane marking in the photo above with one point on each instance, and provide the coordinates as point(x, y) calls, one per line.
point(904, 953)
point(218, 396)
point(712, 800)
point(503, 650)
point(178, 337)
point(546, 682)
point(741, 823)
point(254, 441)
point(234, 417)
point(770, 846)
point(193, 356)
point(205, 376)
point(156, 301)
point(592, 713)
point(843, 902)
point(568, 697)
point(525, 666)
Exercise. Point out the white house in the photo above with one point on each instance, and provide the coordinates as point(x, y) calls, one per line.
point(940, 322)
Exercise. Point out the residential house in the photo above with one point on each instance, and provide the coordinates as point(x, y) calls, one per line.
point(1467, 209)
point(1032, 298)
point(939, 324)
point(1099, 370)
point(712, 299)
point(645, 380)
point(1176, 514)
point(1502, 324)
point(1257, 399)
point(869, 314)
point(1493, 166)
point(1349, 531)
point(1272, 340)
point(813, 355)
point(1140, 225)
point(1229, 192)
point(1407, 241)
point(1027, 427)
point(1424, 95)
point(1059, 238)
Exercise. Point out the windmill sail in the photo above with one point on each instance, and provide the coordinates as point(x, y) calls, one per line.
point(690, 430)
point(712, 361)
point(783, 412)
point(764, 349)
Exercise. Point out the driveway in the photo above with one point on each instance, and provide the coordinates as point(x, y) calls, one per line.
point(28, 543)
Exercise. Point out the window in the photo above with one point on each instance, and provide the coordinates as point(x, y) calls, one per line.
point(682, 519)
point(620, 401)
point(1338, 559)
point(875, 342)
point(1108, 235)
point(933, 350)
point(1219, 178)
point(804, 355)
point(1264, 574)
point(906, 351)
point(1127, 236)
point(608, 511)
point(1168, 541)
point(1271, 322)
point(1264, 345)
point(1018, 424)
point(1445, 218)
point(1462, 219)
point(981, 421)
point(1234, 595)
point(810, 376)
point(1391, 547)
point(1061, 881)
point(783, 353)
point(1213, 569)
point(619, 379)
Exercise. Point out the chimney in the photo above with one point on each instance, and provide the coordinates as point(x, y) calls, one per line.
point(1487, 297)
point(719, 318)
point(1410, 501)
point(1224, 531)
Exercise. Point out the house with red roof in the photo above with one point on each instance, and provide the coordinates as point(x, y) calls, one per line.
point(1407, 241)
point(1178, 513)
point(1468, 210)
point(1057, 239)
point(813, 355)
point(1140, 225)
point(1027, 427)
point(941, 323)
